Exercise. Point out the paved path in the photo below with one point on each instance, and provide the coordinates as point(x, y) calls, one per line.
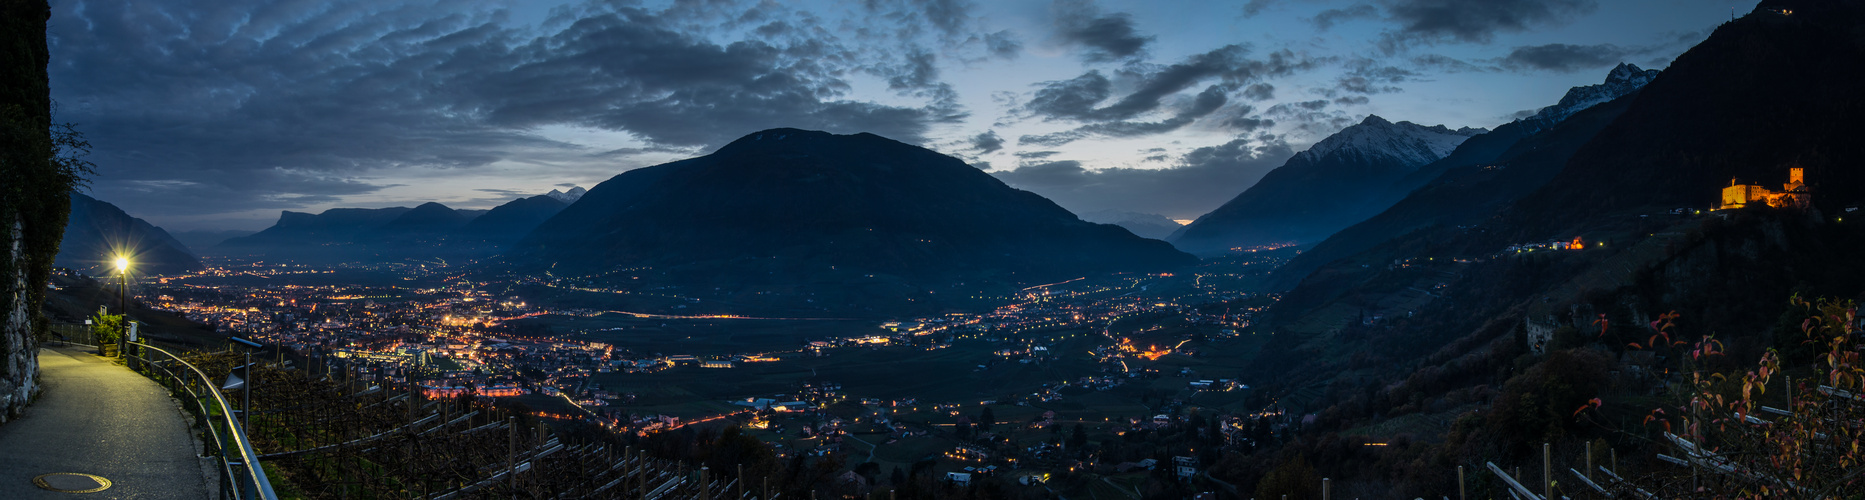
point(97, 417)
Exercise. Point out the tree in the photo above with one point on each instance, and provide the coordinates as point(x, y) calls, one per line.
point(1077, 438)
point(1741, 446)
point(1294, 478)
point(106, 327)
point(986, 419)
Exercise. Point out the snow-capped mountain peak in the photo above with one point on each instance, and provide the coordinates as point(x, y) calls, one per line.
point(570, 197)
point(1622, 80)
point(1411, 143)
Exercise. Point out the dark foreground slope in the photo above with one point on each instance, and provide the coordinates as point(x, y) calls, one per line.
point(1476, 347)
point(788, 206)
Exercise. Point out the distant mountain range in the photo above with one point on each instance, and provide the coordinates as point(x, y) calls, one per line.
point(1153, 226)
point(429, 230)
point(797, 207)
point(1341, 180)
point(98, 231)
point(1484, 173)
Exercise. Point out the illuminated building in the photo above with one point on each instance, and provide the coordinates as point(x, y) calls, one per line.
point(1793, 194)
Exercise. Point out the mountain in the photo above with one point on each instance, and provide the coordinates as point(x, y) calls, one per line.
point(429, 230)
point(1341, 180)
point(795, 207)
point(1485, 148)
point(1623, 79)
point(505, 224)
point(98, 231)
point(575, 193)
point(1765, 93)
point(1460, 304)
point(1153, 226)
point(1485, 173)
point(208, 238)
point(331, 234)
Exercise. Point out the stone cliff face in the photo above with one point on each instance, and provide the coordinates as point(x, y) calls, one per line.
point(32, 196)
point(19, 368)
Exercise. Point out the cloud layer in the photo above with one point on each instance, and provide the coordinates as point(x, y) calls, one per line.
point(287, 104)
point(242, 109)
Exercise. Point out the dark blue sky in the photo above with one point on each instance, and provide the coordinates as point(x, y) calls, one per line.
point(216, 115)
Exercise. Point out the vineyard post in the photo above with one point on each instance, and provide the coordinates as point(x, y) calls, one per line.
point(1461, 493)
point(511, 453)
point(1589, 468)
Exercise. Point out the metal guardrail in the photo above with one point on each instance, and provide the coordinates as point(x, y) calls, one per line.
point(241, 476)
point(74, 334)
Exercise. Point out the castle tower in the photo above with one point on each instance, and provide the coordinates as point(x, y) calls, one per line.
point(1796, 179)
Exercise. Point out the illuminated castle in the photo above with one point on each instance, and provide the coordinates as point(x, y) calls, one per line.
point(1793, 194)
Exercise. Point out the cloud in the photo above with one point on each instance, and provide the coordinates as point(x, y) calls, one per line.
point(1369, 76)
point(507, 193)
point(1102, 38)
point(1326, 19)
point(1565, 58)
point(1003, 44)
point(1312, 118)
point(1158, 90)
point(276, 105)
point(1204, 103)
point(1254, 7)
point(987, 142)
point(1073, 98)
point(1250, 123)
point(952, 18)
point(1260, 92)
point(1473, 21)
point(1197, 183)
point(1439, 63)
point(1079, 98)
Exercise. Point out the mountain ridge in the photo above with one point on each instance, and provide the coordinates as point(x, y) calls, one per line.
point(97, 231)
point(1341, 180)
point(795, 207)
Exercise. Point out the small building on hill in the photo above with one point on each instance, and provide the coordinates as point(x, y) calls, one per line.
point(1793, 194)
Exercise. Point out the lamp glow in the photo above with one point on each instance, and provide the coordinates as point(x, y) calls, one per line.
point(122, 264)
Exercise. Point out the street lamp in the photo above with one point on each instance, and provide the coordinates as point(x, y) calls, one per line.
point(123, 270)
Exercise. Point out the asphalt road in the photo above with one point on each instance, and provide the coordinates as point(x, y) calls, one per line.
point(97, 417)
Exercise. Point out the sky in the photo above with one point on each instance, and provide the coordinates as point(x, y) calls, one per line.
point(214, 115)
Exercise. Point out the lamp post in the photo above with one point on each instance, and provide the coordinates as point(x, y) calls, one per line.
point(123, 270)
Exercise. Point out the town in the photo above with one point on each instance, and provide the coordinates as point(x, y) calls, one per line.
point(1111, 355)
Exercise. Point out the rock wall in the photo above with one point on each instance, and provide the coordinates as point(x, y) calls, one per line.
point(19, 360)
point(32, 178)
